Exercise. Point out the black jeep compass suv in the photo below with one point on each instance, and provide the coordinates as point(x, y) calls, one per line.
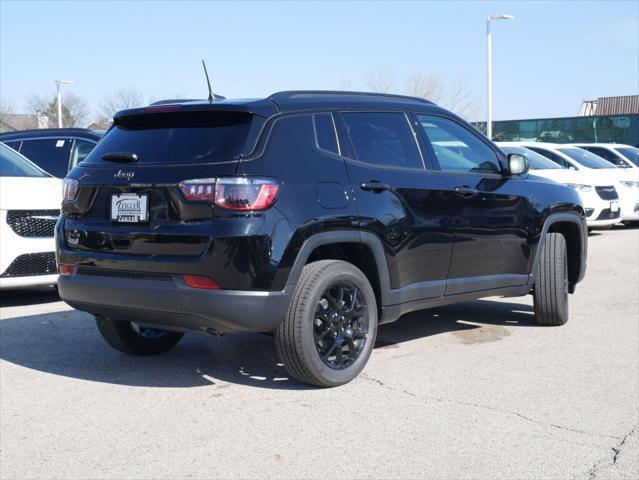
point(316, 216)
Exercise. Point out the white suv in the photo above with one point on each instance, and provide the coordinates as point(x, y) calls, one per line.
point(624, 180)
point(29, 207)
point(624, 156)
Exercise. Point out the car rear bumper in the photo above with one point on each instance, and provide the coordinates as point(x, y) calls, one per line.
point(27, 281)
point(166, 302)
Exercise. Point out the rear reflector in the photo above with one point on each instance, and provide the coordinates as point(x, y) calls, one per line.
point(66, 270)
point(199, 281)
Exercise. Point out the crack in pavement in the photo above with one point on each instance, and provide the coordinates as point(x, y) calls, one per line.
point(487, 407)
point(604, 462)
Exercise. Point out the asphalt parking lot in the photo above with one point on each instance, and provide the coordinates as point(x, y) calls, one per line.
point(475, 390)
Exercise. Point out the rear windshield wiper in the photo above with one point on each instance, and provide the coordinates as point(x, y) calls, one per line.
point(124, 157)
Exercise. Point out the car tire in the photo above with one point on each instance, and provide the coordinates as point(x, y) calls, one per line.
point(128, 338)
point(551, 286)
point(330, 328)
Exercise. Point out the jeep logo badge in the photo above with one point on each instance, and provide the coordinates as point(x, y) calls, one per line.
point(124, 175)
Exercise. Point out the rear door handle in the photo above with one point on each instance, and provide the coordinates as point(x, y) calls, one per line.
point(465, 191)
point(374, 186)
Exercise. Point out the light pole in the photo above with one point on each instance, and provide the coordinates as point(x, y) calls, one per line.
point(489, 48)
point(59, 95)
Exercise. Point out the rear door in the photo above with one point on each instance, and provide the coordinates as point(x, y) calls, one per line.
point(493, 215)
point(399, 200)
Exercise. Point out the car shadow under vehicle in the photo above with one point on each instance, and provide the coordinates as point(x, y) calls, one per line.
point(31, 296)
point(67, 343)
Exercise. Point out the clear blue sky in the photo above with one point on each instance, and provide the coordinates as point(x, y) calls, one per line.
point(546, 61)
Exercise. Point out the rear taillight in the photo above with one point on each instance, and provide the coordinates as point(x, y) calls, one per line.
point(66, 270)
point(70, 188)
point(232, 193)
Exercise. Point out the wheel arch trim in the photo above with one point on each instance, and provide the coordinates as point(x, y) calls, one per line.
point(344, 236)
point(551, 220)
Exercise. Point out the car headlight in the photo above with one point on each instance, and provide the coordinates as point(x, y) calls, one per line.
point(630, 184)
point(579, 187)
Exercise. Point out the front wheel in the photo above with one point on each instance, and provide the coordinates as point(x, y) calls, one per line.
point(551, 285)
point(130, 338)
point(330, 328)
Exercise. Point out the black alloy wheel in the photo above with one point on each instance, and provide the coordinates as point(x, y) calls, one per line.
point(341, 325)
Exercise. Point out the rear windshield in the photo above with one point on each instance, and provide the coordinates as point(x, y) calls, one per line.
point(14, 165)
point(176, 137)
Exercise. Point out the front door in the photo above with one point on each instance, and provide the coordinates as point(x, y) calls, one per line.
point(492, 213)
point(399, 201)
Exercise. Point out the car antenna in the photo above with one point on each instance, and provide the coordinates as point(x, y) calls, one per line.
point(208, 82)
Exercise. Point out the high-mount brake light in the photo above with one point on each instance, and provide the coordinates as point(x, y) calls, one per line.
point(232, 193)
point(70, 187)
point(161, 108)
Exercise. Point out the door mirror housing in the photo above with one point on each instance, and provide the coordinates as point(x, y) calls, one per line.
point(518, 164)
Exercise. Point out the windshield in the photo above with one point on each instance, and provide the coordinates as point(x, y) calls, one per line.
point(12, 164)
point(585, 158)
point(177, 137)
point(537, 161)
point(631, 153)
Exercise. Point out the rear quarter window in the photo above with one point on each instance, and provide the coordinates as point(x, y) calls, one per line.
point(325, 136)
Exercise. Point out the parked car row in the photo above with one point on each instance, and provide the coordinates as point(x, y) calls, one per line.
point(609, 188)
point(606, 177)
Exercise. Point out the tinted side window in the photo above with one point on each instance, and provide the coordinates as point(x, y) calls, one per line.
point(80, 151)
point(457, 148)
point(50, 154)
point(552, 156)
point(325, 138)
point(15, 144)
point(383, 139)
point(607, 155)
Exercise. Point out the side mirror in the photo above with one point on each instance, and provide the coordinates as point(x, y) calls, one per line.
point(518, 164)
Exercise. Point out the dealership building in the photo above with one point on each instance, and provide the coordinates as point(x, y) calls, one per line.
point(606, 120)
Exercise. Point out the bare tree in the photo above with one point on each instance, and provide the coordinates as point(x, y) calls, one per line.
point(454, 96)
point(380, 81)
point(122, 98)
point(461, 101)
point(75, 109)
point(78, 108)
point(6, 107)
point(426, 86)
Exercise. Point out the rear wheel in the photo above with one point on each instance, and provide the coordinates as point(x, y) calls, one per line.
point(330, 328)
point(551, 286)
point(130, 338)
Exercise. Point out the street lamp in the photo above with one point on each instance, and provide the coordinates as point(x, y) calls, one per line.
point(489, 47)
point(59, 95)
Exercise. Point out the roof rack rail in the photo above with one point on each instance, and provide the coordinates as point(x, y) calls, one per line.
point(287, 94)
point(55, 129)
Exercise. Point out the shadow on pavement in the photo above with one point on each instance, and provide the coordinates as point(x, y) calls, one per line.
point(33, 296)
point(68, 344)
